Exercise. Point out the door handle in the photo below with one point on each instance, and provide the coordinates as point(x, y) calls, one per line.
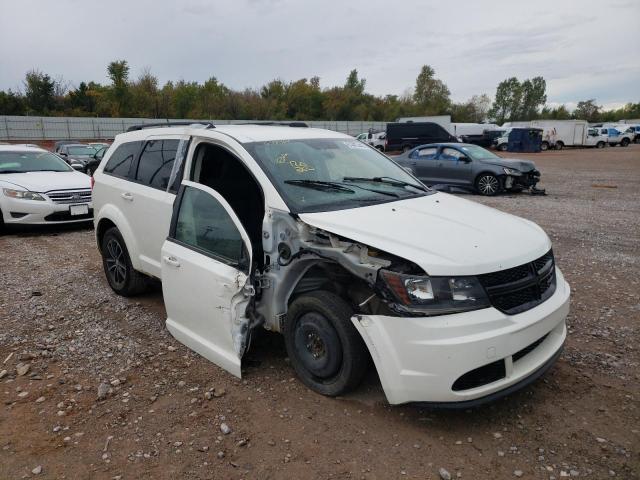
point(127, 196)
point(173, 261)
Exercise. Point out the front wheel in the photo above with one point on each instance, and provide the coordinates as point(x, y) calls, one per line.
point(502, 147)
point(559, 145)
point(625, 142)
point(122, 277)
point(488, 184)
point(325, 349)
point(544, 146)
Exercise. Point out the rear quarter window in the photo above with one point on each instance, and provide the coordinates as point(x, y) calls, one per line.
point(119, 164)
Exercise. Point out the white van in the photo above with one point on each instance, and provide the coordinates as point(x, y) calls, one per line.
point(322, 238)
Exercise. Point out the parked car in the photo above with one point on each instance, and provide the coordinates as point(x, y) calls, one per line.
point(377, 140)
point(98, 145)
point(77, 154)
point(407, 135)
point(58, 145)
point(313, 234)
point(486, 139)
point(92, 163)
point(620, 135)
point(37, 187)
point(470, 167)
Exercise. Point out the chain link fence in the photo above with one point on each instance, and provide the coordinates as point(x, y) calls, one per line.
point(89, 128)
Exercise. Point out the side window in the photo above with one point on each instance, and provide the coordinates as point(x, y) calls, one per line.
point(120, 162)
point(428, 153)
point(203, 223)
point(156, 162)
point(451, 154)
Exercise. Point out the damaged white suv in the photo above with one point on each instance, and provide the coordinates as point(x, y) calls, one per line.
point(322, 238)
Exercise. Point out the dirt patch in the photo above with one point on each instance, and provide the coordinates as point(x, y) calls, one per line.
point(163, 405)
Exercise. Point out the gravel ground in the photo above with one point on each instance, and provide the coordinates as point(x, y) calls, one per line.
point(93, 386)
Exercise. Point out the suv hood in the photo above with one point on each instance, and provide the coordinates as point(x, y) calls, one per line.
point(443, 234)
point(47, 181)
point(522, 165)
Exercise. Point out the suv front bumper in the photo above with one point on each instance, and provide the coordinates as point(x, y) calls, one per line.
point(419, 359)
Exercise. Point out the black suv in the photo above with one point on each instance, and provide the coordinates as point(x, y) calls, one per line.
point(407, 135)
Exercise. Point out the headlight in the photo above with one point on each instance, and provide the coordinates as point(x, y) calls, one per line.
point(512, 171)
point(22, 194)
point(435, 295)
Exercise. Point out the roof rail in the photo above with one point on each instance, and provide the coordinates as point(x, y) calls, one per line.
point(142, 126)
point(280, 124)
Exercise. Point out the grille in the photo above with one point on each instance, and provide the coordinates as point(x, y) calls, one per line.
point(70, 196)
point(521, 288)
point(66, 216)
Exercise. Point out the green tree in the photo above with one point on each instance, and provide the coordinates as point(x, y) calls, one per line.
point(39, 92)
point(533, 97)
point(12, 103)
point(587, 110)
point(431, 95)
point(506, 104)
point(118, 72)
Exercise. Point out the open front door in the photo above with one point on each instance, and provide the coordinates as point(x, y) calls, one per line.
point(206, 263)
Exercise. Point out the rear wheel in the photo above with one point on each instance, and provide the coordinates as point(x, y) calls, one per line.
point(122, 277)
point(325, 349)
point(559, 145)
point(600, 145)
point(544, 146)
point(487, 184)
point(502, 147)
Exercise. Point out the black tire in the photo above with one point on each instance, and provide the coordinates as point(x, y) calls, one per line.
point(122, 277)
point(406, 148)
point(325, 349)
point(544, 146)
point(559, 145)
point(625, 142)
point(600, 145)
point(503, 147)
point(488, 184)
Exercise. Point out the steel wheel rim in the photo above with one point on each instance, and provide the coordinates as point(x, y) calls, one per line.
point(115, 262)
point(488, 185)
point(314, 351)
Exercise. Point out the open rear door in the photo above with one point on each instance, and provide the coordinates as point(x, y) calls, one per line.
point(206, 265)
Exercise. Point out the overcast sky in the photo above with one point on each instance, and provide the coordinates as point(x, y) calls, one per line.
point(583, 48)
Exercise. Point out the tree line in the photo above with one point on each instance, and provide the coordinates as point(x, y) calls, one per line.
point(302, 99)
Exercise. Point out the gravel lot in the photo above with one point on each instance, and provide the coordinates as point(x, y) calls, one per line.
point(93, 386)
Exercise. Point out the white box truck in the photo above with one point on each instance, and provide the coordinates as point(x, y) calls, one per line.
point(563, 133)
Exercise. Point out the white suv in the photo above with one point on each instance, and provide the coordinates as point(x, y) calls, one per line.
point(318, 236)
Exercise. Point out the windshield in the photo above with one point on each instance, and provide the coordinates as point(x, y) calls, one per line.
point(332, 174)
point(81, 150)
point(478, 153)
point(38, 161)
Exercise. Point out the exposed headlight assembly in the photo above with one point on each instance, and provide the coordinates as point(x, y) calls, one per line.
point(22, 194)
point(435, 295)
point(512, 171)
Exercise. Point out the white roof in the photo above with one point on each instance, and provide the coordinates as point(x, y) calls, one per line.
point(19, 148)
point(242, 133)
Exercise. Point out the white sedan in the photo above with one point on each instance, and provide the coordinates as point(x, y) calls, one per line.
point(38, 187)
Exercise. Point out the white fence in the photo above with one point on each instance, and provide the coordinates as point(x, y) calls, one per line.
point(89, 128)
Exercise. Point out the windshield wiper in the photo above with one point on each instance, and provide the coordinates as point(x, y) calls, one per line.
point(385, 180)
point(320, 185)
